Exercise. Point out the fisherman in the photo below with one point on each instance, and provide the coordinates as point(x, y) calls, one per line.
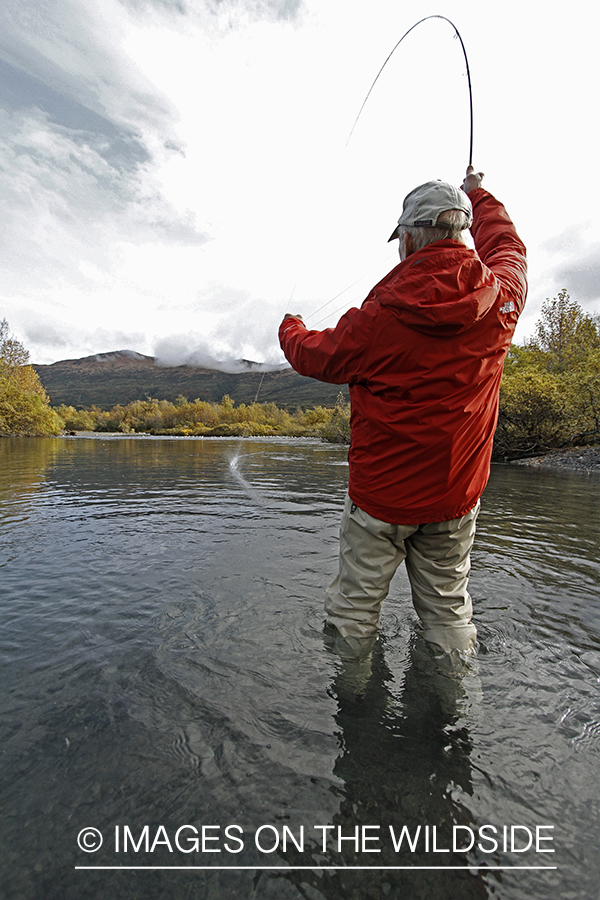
point(423, 357)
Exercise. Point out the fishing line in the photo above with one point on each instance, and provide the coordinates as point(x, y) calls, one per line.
point(406, 33)
point(391, 54)
point(315, 311)
point(333, 312)
point(259, 386)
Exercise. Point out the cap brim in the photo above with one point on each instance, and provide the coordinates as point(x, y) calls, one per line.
point(394, 235)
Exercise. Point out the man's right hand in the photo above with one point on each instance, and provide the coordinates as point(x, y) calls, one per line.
point(472, 180)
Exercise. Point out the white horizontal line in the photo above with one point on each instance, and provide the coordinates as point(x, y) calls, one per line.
point(314, 868)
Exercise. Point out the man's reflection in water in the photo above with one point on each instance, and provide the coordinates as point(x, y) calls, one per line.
point(404, 760)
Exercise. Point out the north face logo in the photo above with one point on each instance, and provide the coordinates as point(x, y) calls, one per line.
point(508, 307)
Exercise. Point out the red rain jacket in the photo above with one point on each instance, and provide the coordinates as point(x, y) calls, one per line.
point(423, 357)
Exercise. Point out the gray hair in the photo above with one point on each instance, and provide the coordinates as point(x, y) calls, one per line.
point(450, 226)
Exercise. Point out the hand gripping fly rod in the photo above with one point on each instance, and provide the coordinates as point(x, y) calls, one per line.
point(391, 54)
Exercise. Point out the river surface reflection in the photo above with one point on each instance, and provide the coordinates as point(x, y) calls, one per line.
point(164, 665)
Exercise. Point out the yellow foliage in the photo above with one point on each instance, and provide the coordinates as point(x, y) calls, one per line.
point(320, 415)
point(337, 429)
point(200, 417)
point(24, 405)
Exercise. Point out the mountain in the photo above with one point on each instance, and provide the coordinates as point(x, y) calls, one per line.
point(106, 379)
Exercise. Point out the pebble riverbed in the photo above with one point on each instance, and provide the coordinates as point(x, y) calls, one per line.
point(582, 458)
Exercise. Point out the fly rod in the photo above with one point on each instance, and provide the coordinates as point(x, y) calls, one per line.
point(406, 33)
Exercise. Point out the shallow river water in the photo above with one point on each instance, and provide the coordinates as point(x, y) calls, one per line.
point(166, 681)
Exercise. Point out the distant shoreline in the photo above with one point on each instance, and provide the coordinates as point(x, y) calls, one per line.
point(145, 435)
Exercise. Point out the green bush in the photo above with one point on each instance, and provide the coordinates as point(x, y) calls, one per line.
point(550, 391)
point(532, 413)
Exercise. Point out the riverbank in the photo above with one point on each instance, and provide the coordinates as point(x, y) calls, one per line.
point(585, 459)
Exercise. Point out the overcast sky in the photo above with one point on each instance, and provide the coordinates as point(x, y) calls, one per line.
point(175, 175)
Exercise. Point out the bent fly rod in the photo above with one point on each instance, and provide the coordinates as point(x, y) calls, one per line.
point(391, 54)
point(364, 103)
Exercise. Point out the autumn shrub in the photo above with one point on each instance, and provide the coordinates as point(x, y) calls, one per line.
point(337, 429)
point(77, 419)
point(550, 391)
point(24, 404)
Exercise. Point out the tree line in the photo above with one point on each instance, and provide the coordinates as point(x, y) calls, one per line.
point(201, 418)
point(549, 397)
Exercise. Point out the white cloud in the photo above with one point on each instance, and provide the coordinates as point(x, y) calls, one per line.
point(76, 49)
point(574, 262)
point(582, 276)
point(173, 168)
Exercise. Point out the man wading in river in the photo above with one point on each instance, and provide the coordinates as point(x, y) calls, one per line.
point(423, 357)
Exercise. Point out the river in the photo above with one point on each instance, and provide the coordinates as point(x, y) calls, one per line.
point(167, 682)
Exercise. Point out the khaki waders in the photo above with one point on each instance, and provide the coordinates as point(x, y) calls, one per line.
point(438, 564)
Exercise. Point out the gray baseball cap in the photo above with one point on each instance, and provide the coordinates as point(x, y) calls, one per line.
point(425, 203)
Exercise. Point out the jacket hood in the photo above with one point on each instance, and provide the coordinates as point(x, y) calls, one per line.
point(442, 289)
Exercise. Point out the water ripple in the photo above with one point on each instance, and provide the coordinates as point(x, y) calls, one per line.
point(163, 660)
